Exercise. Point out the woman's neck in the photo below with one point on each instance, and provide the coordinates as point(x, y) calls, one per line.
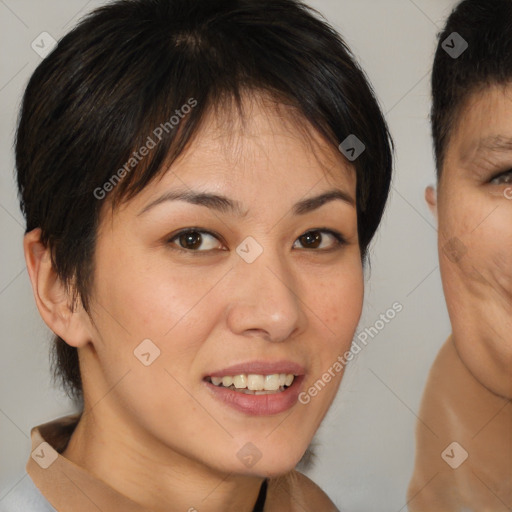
point(155, 476)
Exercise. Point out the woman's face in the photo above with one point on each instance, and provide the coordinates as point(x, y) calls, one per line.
point(256, 285)
point(475, 236)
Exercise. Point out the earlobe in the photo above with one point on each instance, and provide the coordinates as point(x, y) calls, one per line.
point(52, 298)
point(431, 199)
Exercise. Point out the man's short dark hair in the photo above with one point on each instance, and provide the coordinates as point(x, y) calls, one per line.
point(130, 67)
point(486, 26)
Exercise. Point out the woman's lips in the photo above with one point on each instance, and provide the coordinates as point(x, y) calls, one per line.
point(260, 367)
point(261, 404)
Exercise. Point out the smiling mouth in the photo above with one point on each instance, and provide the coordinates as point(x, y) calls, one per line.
point(254, 384)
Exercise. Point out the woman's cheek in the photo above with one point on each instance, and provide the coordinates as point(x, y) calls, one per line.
point(341, 307)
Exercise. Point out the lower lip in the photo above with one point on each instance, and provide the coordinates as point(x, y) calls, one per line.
point(259, 405)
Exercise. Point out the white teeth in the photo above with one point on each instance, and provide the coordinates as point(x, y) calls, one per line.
point(272, 382)
point(227, 381)
point(240, 381)
point(255, 383)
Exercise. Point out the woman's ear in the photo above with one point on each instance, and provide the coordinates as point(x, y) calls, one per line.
point(431, 199)
point(53, 300)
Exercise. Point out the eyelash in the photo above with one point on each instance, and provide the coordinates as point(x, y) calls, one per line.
point(340, 240)
point(502, 175)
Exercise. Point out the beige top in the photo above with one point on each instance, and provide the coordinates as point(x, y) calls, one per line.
point(69, 487)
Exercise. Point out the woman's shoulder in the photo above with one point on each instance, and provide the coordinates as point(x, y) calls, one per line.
point(296, 492)
point(25, 497)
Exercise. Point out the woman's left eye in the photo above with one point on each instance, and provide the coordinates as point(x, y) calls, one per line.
point(315, 239)
point(502, 179)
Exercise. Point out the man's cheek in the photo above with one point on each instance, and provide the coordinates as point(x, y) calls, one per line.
point(500, 270)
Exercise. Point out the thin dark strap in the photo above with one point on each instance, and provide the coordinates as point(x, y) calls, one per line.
point(262, 496)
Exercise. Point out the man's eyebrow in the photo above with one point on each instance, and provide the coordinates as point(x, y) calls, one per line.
point(225, 205)
point(495, 143)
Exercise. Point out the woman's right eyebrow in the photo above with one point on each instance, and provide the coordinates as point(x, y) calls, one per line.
point(210, 200)
point(225, 205)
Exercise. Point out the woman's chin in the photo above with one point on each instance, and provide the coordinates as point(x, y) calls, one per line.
point(252, 462)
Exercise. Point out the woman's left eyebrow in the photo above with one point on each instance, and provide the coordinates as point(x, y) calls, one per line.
point(225, 205)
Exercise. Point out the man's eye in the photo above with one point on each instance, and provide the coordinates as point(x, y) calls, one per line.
point(502, 179)
point(321, 239)
point(195, 240)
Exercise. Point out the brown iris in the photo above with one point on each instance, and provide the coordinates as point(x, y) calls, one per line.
point(311, 239)
point(191, 239)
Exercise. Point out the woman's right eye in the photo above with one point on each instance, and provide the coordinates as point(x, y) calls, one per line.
point(195, 240)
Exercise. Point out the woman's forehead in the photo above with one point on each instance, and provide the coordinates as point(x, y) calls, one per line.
point(265, 135)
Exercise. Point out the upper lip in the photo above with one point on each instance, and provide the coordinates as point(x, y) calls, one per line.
point(260, 368)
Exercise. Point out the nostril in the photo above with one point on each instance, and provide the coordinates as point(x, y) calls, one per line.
point(260, 333)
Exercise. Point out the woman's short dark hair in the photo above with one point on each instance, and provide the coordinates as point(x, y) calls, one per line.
point(486, 28)
point(136, 70)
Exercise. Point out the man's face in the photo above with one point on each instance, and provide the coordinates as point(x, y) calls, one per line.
point(475, 236)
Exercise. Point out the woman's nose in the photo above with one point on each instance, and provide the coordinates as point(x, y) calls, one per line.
point(265, 298)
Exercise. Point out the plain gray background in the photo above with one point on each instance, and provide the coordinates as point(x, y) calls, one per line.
point(365, 447)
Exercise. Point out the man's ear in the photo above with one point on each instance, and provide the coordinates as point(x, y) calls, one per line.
point(431, 199)
point(52, 299)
